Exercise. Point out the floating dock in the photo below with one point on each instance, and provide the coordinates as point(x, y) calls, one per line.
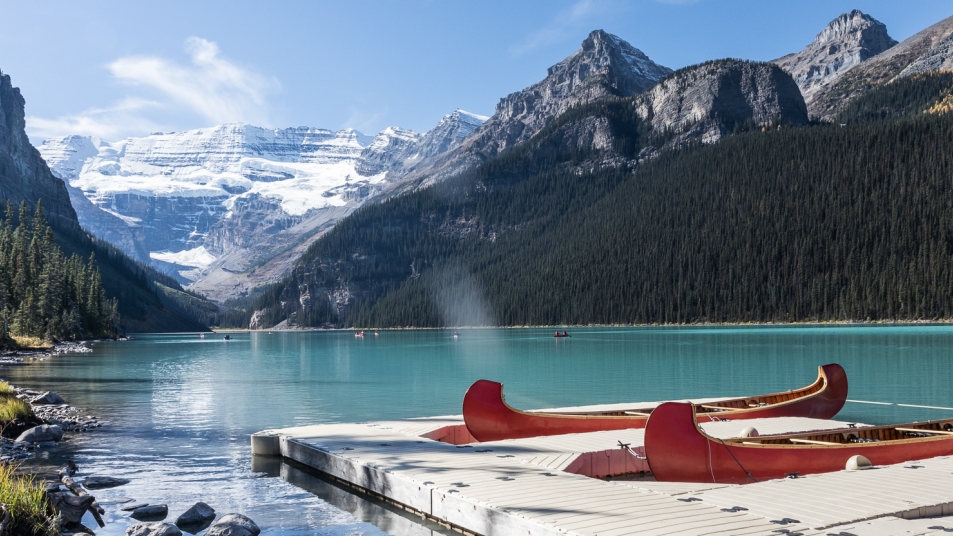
point(574, 484)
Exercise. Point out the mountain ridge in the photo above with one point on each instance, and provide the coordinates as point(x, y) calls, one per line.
point(604, 65)
point(224, 208)
point(885, 67)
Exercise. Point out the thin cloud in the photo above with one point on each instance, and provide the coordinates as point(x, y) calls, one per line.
point(210, 87)
point(565, 24)
point(109, 123)
point(364, 121)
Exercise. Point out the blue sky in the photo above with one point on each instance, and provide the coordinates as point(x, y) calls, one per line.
point(117, 69)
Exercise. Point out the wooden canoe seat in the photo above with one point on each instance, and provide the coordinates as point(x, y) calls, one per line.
point(924, 431)
point(721, 408)
point(636, 413)
point(811, 442)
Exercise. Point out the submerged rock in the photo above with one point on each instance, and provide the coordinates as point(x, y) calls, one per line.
point(48, 397)
point(152, 511)
point(153, 529)
point(41, 433)
point(103, 482)
point(233, 525)
point(199, 514)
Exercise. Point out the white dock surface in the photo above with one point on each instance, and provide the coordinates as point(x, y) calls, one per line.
point(520, 487)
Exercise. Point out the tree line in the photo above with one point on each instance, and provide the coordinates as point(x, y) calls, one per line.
point(43, 293)
point(845, 221)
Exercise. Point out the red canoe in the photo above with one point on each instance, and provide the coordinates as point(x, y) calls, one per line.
point(679, 451)
point(490, 418)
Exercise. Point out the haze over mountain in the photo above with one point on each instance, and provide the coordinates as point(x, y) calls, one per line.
point(230, 207)
point(423, 257)
point(25, 177)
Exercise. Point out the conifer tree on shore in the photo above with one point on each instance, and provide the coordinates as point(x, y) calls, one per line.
point(42, 293)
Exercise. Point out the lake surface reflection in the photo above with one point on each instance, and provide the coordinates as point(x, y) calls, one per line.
point(180, 408)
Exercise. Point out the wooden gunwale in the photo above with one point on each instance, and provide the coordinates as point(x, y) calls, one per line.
point(933, 430)
point(723, 409)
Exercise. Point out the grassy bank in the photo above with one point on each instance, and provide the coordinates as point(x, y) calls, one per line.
point(30, 511)
point(11, 407)
point(32, 343)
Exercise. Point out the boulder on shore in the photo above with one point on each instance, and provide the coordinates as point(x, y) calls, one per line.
point(233, 525)
point(41, 433)
point(48, 397)
point(153, 529)
point(198, 515)
point(153, 512)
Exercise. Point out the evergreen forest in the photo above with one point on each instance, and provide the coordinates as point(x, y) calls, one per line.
point(845, 221)
point(44, 294)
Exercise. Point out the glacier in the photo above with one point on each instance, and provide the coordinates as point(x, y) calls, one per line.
point(229, 207)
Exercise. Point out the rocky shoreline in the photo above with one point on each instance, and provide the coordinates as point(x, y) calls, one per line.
point(25, 357)
point(53, 419)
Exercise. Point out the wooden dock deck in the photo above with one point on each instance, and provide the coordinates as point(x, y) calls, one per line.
point(538, 486)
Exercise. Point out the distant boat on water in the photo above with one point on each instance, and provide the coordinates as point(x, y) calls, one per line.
point(228, 337)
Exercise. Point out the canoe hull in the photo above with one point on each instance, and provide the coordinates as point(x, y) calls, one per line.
point(489, 418)
point(678, 451)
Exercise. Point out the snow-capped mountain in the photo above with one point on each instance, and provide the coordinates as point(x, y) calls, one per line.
point(210, 205)
point(399, 151)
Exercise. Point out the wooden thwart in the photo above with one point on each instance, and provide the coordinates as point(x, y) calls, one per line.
point(811, 442)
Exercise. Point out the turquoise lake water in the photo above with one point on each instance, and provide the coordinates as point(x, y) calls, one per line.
point(180, 408)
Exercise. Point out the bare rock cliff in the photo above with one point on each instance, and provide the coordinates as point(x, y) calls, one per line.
point(24, 176)
point(704, 102)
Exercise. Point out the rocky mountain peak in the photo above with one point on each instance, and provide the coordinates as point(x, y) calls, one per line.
point(848, 40)
point(604, 65)
point(396, 151)
point(855, 25)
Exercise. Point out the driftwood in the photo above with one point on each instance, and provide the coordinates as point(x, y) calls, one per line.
point(80, 491)
point(71, 508)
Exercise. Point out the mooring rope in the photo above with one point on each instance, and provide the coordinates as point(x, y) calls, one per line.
point(747, 474)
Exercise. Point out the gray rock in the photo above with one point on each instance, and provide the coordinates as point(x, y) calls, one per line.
point(233, 525)
point(133, 507)
point(604, 66)
point(197, 515)
point(704, 102)
point(48, 397)
point(153, 529)
point(847, 41)
point(41, 433)
point(103, 482)
point(152, 512)
point(940, 57)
